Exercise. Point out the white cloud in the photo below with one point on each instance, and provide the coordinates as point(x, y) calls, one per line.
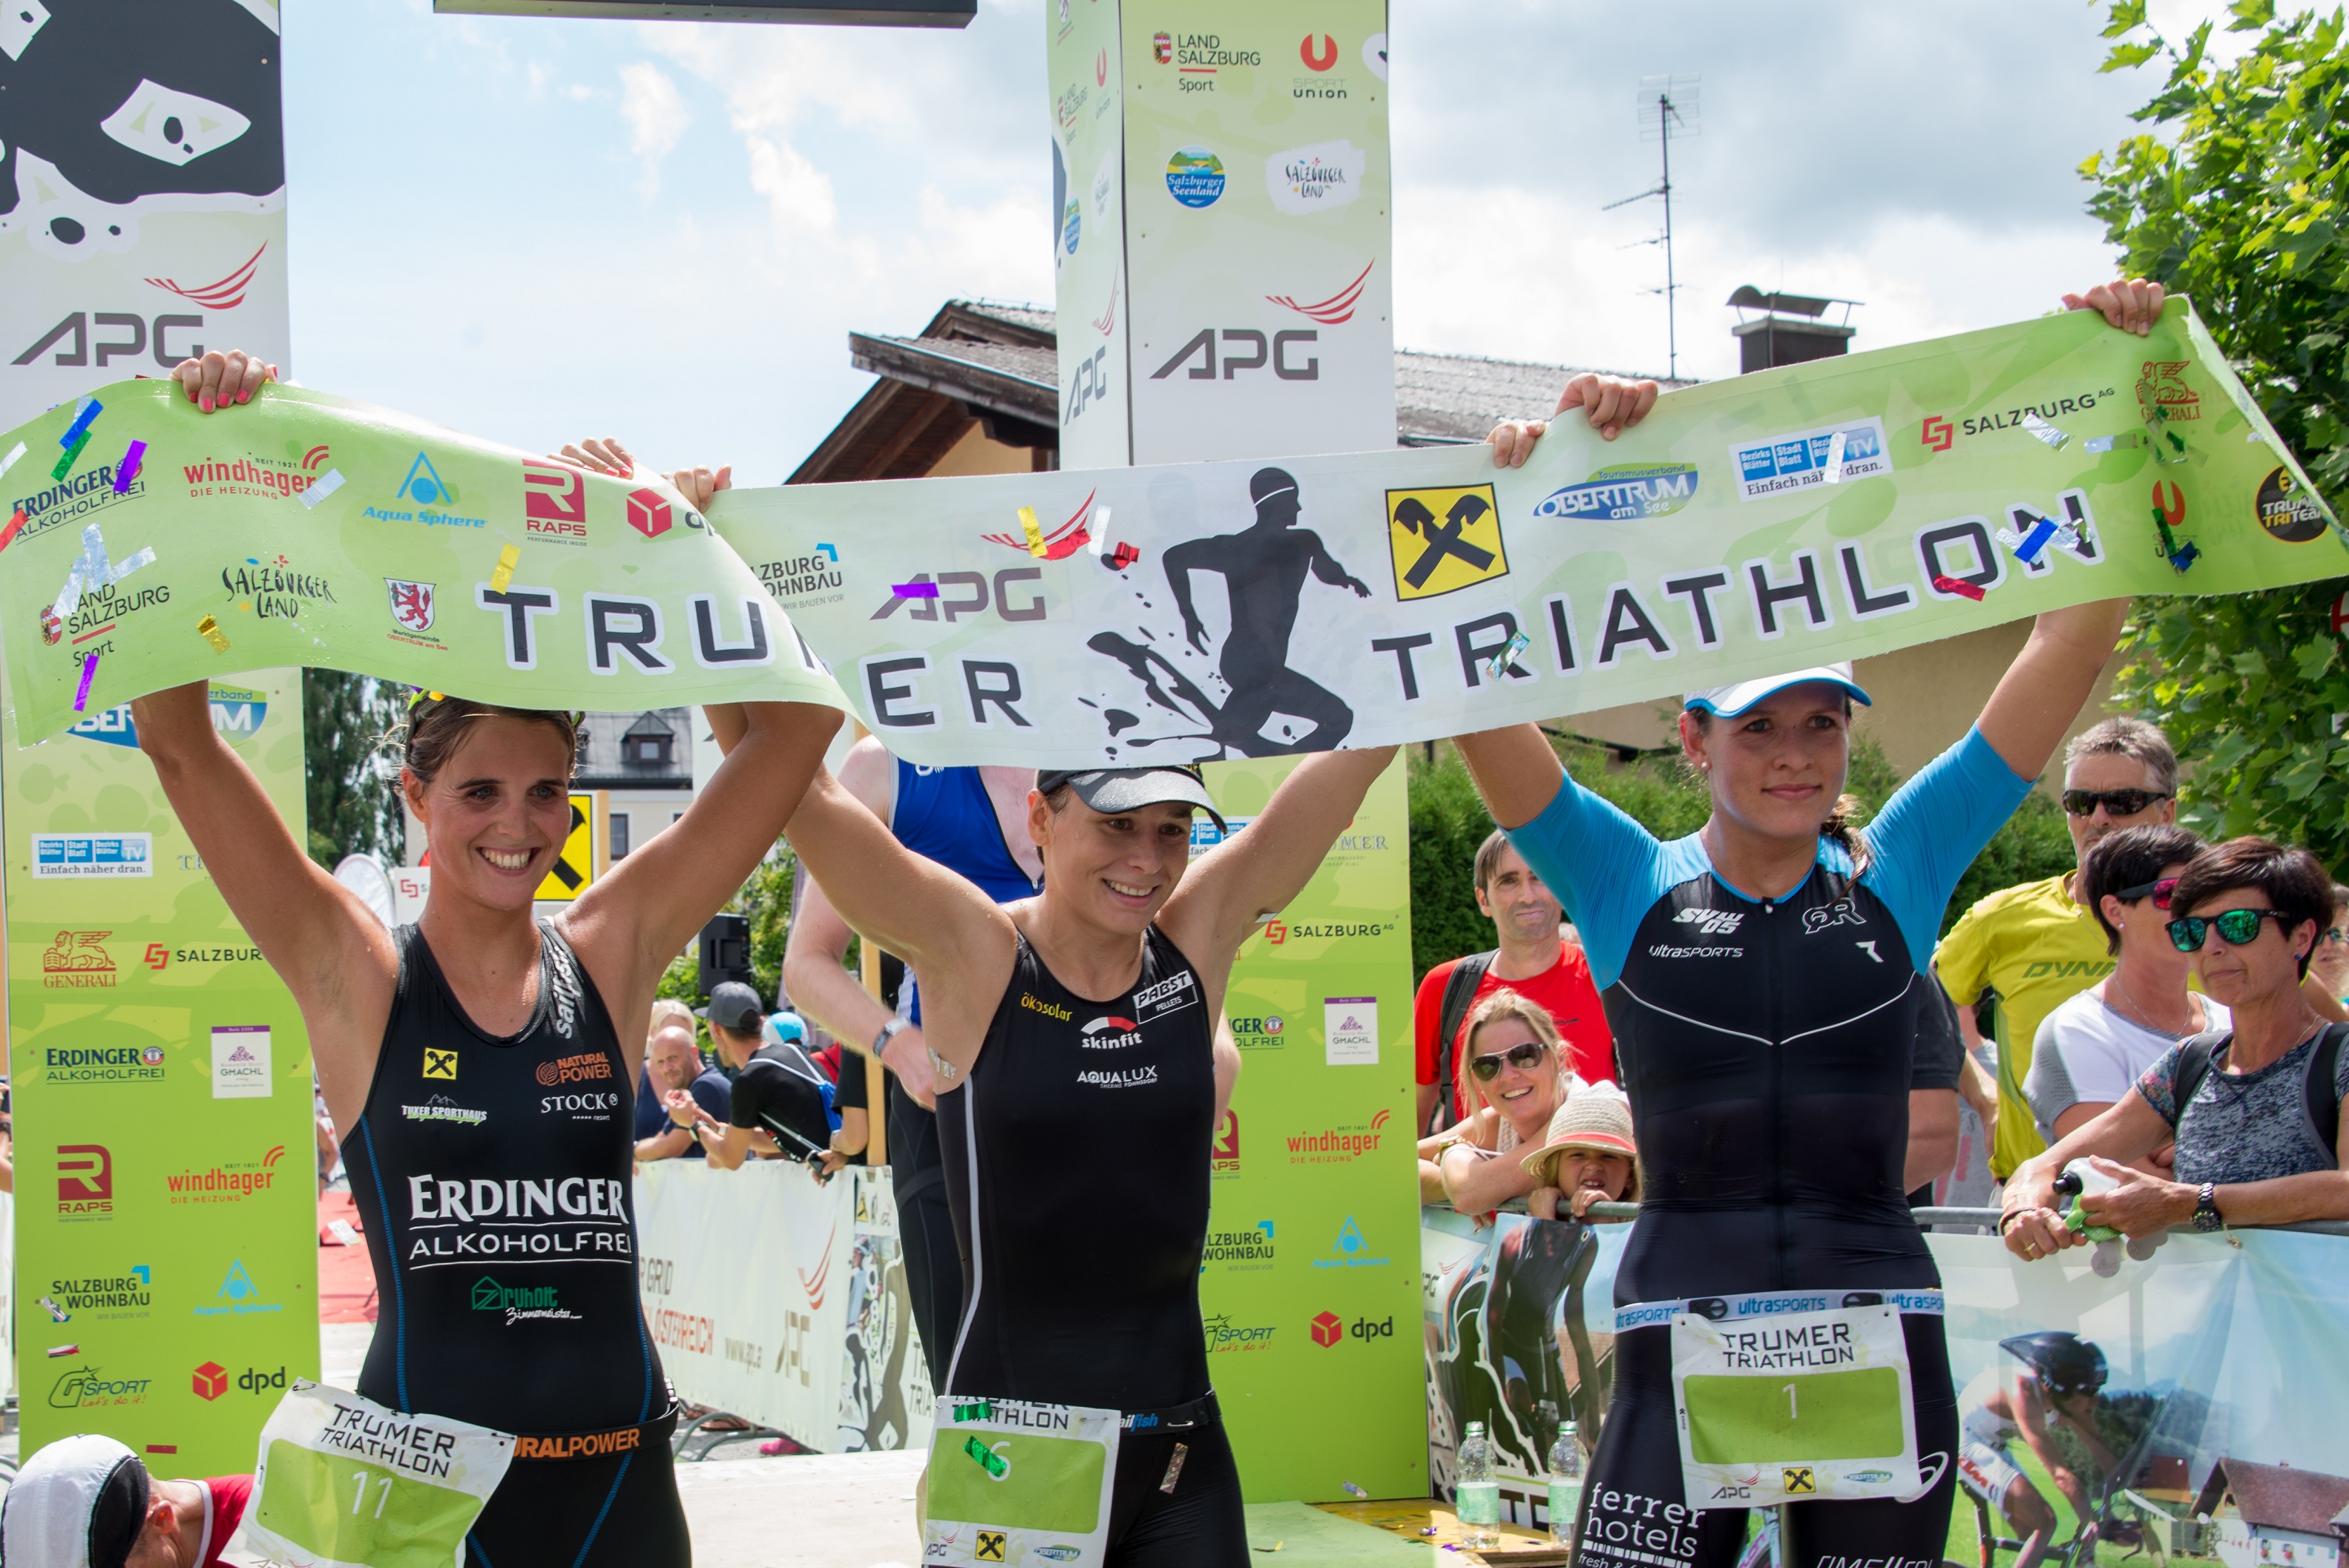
point(657, 118)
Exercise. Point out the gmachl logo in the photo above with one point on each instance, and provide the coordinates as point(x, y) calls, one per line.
point(411, 602)
point(1110, 1033)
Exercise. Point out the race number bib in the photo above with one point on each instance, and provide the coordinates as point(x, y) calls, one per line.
point(342, 1482)
point(1015, 1483)
point(1797, 1406)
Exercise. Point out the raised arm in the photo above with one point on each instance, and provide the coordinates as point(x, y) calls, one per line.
point(330, 949)
point(644, 912)
point(1256, 873)
point(1516, 770)
point(1179, 560)
point(1329, 569)
point(2049, 682)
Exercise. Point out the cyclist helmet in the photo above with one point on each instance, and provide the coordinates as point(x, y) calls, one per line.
point(2064, 1362)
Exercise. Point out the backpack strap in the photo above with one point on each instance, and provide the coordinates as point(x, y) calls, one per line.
point(1459, 991)
point(2324, 1104)
point(2193, 1066)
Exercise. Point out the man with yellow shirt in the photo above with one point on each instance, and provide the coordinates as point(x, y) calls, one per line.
point(2033, 946)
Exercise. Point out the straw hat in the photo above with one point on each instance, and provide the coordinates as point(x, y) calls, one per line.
point(1598, 1118)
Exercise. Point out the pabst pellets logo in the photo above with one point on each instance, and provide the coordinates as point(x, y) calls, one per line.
point(574, 1069)
point(1110, 1034)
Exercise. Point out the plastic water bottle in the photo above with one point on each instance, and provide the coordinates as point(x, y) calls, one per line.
point(1478, 1498)
point(1565, 1485)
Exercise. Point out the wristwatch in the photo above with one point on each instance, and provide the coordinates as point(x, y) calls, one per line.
point(2206, 1209)
point(889, 1031)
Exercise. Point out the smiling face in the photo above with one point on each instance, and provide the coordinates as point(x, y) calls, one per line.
point(1599, 1169)
point(1519, 905)
point(1113, 871)
point(1527, 1096)
point(498, 811)
point(2265, 969)
point(1777, 768)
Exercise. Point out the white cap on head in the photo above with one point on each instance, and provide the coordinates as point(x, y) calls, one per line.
point(1729, 701)
point(78, 1503)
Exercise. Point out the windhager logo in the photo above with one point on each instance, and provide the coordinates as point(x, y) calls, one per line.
point(228, 1183)
point(1337, 1145)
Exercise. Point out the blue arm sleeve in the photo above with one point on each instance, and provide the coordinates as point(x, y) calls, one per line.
point(1605, 868)
point(1931, 829)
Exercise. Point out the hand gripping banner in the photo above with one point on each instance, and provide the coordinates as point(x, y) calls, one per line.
point(151, 544)
point(1827, 510)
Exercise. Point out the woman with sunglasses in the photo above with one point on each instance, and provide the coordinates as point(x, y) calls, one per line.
point(1522, 1075)
point(2330, 969)
point(2091, 1050)
point(435, 1044)
point(2249, 1103)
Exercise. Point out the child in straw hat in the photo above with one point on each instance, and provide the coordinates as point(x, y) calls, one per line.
point(1588, 1157)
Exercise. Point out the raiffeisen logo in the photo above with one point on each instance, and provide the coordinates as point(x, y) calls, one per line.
point(1110, 1034)
point(1337, 1145)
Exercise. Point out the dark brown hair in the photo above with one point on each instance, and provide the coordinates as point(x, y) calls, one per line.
point(2130, 857)
point(2296, 883)
point(438, 725)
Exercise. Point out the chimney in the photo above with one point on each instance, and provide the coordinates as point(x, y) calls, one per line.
point(1788, 331)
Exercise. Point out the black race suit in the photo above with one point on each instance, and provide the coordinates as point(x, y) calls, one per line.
point(1077, 1163)
point(494, 1176)
point(1767, 1046)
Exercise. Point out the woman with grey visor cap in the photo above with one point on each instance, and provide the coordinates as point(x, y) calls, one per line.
point(1072, 1035)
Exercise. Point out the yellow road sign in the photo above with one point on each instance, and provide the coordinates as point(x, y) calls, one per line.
point(575, 868)
point(1443, 540)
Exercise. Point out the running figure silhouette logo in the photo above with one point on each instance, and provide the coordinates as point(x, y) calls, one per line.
point(1264, 568)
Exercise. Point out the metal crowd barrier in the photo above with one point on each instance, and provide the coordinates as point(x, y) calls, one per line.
point(1988, 1220)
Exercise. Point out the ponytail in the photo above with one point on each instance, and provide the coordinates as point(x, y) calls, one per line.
point(1842, 826)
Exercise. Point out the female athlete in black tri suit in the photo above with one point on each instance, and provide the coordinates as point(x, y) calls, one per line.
point(1072, 1037)
point(1763, 978)
point(471, 1065)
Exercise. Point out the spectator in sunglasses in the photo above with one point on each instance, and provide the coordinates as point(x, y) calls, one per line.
point(2094, 1047)
point(2022, 951)
point(2256, 1107)
point(1520, 1070)
point(2330, 967)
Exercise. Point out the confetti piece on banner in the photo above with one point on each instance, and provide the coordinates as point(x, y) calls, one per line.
point(2126, 441)
point(10, 460)
point(8, 534)
point(90, 409)
point(1501, 663)
point(208, 629)
point(2184, 557)
point(88, 673)
point(1353, 1491)
point(128, 469)
point(144, 558)
point(1959, 586)
point(1033, 529)
point(508, 559)
point(2029, 547)
point(986, 1459)
point(73, 455)
point(322, 487)
point(2056, 439)
point(1123, 556)
point(1834, 475)
point(1100, 530)
point(914, 590)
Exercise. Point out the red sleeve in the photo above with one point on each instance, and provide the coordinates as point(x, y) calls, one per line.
point(230, 1494)
point(1427, 1014)
point(1590, 1040)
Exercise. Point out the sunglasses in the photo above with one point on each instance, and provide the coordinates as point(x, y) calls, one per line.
point(2158, 892)
point(2115, 802)
point(2240, 927)
point(1524, 1057)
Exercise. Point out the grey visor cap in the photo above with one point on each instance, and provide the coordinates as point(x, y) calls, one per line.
point(1113, 790)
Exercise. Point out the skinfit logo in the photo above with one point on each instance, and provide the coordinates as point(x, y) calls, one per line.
point(1110, 1034)
point(1712, 922)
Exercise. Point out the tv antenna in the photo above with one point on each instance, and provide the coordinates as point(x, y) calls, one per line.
point(1666, 106)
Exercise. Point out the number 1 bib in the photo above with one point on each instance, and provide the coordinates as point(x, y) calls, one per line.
point(342, 1482)
point(1793, 1407)
point(1016, 1482)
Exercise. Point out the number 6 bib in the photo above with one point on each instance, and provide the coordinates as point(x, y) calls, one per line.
point(1796, 1407)
point(342, 1482)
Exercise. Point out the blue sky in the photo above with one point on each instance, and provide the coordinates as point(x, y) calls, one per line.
point(537, 228)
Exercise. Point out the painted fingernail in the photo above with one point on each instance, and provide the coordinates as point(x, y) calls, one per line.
point(242, 396)
point(207, 404)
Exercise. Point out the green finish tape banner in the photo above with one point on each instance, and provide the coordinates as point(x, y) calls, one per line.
point(1310, 1284)
point(1827, 510)
point(308, 530)
point(167, 1245)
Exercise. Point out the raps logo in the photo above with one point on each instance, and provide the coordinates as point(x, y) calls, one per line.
point(411, 602)
point(1110, 1034)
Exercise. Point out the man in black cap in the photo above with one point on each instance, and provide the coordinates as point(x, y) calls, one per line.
point(781, 1099)
point(1263, 569)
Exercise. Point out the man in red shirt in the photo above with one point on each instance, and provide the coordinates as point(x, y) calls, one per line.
point(1535, 958)
point(88, 1502)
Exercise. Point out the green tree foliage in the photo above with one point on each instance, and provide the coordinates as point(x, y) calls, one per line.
point(352, 807)
point(766, 898)
point(2237, 201)
point(1448, 820)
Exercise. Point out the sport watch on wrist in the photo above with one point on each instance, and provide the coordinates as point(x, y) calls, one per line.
point(2206, 1209)
point(889, 1031)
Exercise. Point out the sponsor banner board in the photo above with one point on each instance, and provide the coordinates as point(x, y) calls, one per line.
point(166, 1235)
point(1306, 1289)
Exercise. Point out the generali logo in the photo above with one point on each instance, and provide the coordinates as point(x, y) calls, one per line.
point(77, 960)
